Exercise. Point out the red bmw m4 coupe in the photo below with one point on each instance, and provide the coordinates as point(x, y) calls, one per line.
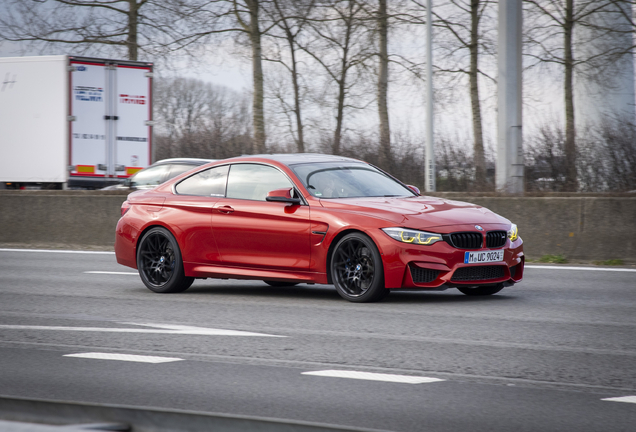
point(310, 218)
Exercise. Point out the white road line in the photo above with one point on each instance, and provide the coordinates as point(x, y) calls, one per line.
point(58, 251)
point(581, 268)
point(557, 267)
point(125, 357)
point(112, 273)
point(165, 329)
point(405, 379)
point(628, 399)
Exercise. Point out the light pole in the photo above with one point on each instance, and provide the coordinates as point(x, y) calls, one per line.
point(509, 99)
point(429, 171)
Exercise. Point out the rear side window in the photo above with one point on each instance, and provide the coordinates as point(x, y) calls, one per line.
point(210, 182)
point(253, 182)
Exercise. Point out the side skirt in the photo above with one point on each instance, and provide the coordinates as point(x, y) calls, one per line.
point(223, 272)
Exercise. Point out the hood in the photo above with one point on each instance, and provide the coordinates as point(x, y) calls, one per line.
point(418, 212)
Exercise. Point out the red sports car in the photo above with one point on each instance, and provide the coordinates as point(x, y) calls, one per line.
point(311, 218)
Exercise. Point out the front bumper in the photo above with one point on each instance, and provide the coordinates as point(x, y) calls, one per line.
point(441, 266)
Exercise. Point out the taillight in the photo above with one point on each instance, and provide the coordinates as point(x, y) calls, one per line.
point(125, 207)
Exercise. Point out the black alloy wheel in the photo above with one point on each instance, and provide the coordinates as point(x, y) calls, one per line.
point(159, 262)
point(357, 270)
point(482, 290)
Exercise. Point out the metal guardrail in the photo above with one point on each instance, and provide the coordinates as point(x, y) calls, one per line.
point(9, 426)
point(37, 415)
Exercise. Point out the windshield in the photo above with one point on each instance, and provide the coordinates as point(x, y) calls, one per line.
point(334, 180)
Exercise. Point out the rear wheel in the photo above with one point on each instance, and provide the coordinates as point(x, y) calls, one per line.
point(482, 290)
point(357, 270)
point(159, 262)
point(280, 284)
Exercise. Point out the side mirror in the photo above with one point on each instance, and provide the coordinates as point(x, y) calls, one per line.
point(127, 182)
point(282, 195)
point(414, 189)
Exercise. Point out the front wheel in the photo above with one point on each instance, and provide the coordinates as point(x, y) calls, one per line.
point(159, 262)
point(482, 290)
point(357, 270)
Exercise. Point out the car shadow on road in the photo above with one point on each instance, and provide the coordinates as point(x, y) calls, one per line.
point(260, 290)
point(257, 290)
point(450, 296)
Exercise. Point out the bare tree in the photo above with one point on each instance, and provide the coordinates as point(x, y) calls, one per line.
point(386, 159)
point(198, 119)
point(291, 18)
point(557, 20)
point(461, 42)
point(341, 44)
point(202, 20)
point(133, 26)
point(247, 14)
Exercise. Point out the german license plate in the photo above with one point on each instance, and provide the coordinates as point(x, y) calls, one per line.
point(483, 257)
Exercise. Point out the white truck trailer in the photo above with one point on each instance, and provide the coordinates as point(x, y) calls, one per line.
point(74, 122)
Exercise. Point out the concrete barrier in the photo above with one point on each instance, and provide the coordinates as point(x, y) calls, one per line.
point(59, 219)
point(580, 227)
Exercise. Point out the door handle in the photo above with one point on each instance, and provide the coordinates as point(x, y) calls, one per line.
point(226, 209)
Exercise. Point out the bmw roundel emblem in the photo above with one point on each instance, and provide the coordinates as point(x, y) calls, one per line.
point(479, 227)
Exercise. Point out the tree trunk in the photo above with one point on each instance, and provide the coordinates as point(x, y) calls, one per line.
point(386, 159)
point(300, 142)
point(571, 182)
point(257, 72)
point(478, 144)
point(337, 135)
point(133, 17)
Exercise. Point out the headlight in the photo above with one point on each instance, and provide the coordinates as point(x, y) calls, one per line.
point(513, 233)
point(413, 236)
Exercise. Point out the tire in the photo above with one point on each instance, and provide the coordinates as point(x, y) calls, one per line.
point(159, 262)
point(482, 290)
point(357, 270)
point(280, 284)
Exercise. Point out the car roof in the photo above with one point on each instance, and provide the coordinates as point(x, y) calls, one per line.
point(298, 158)
point(186, 161)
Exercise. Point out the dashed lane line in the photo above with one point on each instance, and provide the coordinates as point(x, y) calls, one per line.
point(370, 376)
point(158, 329)
point(125, 357)
point(580, 268)
point(113, 273)
point(59, 251)
point(628, 399)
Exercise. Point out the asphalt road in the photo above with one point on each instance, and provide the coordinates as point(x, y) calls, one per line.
point(540, 356)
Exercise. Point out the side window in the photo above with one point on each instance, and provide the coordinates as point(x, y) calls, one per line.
point(253, 182)
point(150, 176)
point(210, 182)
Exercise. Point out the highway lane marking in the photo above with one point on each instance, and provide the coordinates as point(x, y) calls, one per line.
point(527, 266)
point(125, 357)
point(628, 399)
point(113, 273)
point(370, 376)
point(163, 329)
point(580, 268)
point(58, 251)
